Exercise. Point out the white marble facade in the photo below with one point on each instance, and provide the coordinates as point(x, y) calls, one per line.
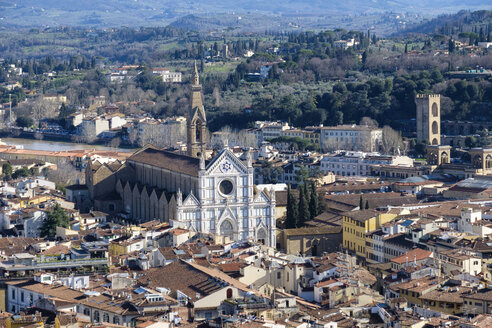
point(227, 203)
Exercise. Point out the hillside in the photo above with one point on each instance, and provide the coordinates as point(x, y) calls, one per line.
point(461, 22)
point(160, 12)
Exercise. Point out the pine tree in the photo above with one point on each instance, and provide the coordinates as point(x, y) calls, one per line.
point(304, 215)
point(54, 218)
point(313, 202)
point(292, 213)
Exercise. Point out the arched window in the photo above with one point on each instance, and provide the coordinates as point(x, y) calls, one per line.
point(105, 317)
point(229, 293)
point(116, 320)
point(435, 128)
point(86, 311)
point(435, 110)
point(96, 316)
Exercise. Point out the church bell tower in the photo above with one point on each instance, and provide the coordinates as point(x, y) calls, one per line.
point(196, 120)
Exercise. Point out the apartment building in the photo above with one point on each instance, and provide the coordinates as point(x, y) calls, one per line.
point(357, 224)
point(350, 137)
point(358, 163)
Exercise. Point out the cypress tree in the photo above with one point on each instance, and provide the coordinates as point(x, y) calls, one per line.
point(367, 204)
point(292, 213)
point(313, 202)
point(307, 194)
point(304, 215)
point(361, 203)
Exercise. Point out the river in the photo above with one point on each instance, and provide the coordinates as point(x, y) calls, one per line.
point(57, 145)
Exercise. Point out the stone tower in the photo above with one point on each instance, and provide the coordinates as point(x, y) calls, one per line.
point(429, 118)
point(196, 120)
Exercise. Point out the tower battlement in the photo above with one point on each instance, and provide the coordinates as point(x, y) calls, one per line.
point(427, 96)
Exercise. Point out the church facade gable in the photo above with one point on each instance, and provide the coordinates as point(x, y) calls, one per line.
point(191, 200)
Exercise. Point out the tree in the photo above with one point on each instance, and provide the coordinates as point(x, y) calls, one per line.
point(21, 173)
point(57, 217)
point(391, 142)
point(313, 202)
point(65, 174)
point(367, 204)
point(42, 109)
point(7, 169)
point(451, 46)
point(24, 121)
point(367, 121)
point(304, 214)
point(361, 203)
point(292, 211)
point(302, 175)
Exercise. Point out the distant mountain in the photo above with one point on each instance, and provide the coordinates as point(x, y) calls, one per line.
point(104, 13)
point(463, 21)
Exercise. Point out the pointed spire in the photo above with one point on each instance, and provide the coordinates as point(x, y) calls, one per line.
point(196, 77)
point(179, 197)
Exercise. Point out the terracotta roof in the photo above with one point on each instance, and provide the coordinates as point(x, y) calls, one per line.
point(415, 254)
point(181, 276)
point(59, 291)
point(451, 295)
point(167, 160)
point(313, 231)
point(484, 294)
point(326, 282)
point(361, 216)
point(57, 250)
point(231, 267)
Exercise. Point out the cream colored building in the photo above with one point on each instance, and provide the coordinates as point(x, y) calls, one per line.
point(350, 137)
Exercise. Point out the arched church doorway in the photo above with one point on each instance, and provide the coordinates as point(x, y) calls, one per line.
point(227, 229)
point(261, 236)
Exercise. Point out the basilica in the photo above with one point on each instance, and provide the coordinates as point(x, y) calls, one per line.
point(213, 196)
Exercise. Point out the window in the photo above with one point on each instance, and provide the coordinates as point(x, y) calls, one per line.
point(96, 316)
point(22, 296)
point(279, 275)
point(13, 294)
point(105, 317)
point(116, 320)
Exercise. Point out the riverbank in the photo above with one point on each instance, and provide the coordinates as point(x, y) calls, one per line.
point(57, 139)
point(54, 145)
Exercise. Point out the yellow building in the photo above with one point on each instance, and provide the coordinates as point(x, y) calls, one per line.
point(125, 245)
point(36, 200)
point(448, 301)
point(357, 224)
point(414, 289)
